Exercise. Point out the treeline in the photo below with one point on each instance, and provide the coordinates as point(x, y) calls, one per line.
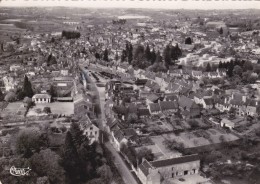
point(143, 57)
point(242, 70)
point(120, 21)
point(70, 34)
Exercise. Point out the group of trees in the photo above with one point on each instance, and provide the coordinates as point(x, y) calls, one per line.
point(241, 69)
point(76, 161)
point(135, 157)
point(143, 57)
point(120, 21)
point(70, 34)
point(51, 60)
point(20, 93)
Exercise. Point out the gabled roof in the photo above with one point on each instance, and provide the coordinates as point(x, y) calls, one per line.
point(168, 105)
point(143, 112)
point(174, 161)
point(208, 101)
point(152, 97)
point(144, 167)
point(154, 107)
point(185, 102)
point(41, 96)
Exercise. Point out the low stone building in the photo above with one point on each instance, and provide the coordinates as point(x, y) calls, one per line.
point(155, 171)
point(41, 98)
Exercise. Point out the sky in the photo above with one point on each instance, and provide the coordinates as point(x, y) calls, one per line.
point(154, 4)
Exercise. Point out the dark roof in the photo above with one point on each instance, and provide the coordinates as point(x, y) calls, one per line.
point(174, 161)
point(168, 105)
point(154, 107)
point(152, 97)
point(185, 102)
point(144, 167)
point(208, 101)
point(171, 98)
point(143, 112)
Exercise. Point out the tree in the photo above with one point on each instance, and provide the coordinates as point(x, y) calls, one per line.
point(77, 134)
point(220, 30)
point(175, 52)
point(27, 87)
point(46, 163)
point(167, 56)
point(47, 110)
point(10, 97)
point(130, 53)
point(237, 70)
point(248, 66)
point(153, 56)
point(70, 159)
point(123, 56)
point(188, 41)
point(208, 68)
point(147, 53)
point(220, 65)
point(28, 141)
point(2, 97)
point(105, 57)
point(144, 153)
point(105, 173)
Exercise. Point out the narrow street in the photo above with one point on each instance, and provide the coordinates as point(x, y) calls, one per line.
point(125, 173)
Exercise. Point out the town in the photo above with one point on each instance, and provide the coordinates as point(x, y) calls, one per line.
point(130, 96)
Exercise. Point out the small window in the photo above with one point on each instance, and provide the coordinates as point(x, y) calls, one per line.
point(95, 132)
point(91, 128)
point(186, 172)
point(90, 133)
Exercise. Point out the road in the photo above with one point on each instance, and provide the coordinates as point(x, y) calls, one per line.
point(126, 175)
point(121, 167)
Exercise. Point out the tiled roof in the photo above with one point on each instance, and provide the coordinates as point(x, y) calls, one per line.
point(144, 167)
point(154, 107)
point(41, 96)
point(174, 161)
point(168, 105)
point(143, 112)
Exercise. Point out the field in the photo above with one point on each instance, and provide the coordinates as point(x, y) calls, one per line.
point(60, 108)
point(163, 150)
point(202, 137)
point(14, 109)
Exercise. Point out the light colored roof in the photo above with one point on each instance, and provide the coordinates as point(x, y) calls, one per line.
point(41, 96)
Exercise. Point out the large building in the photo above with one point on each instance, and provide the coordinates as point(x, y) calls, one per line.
point(155, 171)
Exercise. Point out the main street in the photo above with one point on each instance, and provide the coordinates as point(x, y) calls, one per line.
point(125, 173)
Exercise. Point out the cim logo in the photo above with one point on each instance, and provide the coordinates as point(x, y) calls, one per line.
point(19, 171)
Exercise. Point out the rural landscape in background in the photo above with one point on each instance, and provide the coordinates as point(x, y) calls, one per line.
point(129, 96)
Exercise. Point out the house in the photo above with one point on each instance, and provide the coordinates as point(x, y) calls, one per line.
point(89, 129)
point(121, 137)
point(222, 104)
point(152, 98)
point(41, 98)
point(189, 106)
point(82, 103)
point(143, 112)
point(196, 74)
point(170, 106)
point(227, 123)
point(152, 86)
point(208, 103)
point(154, 108)
point(178, 167)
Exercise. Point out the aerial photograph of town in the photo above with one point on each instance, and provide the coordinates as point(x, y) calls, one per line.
point(129, 95)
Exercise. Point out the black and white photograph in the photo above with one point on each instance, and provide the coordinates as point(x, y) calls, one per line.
point(129, 92)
